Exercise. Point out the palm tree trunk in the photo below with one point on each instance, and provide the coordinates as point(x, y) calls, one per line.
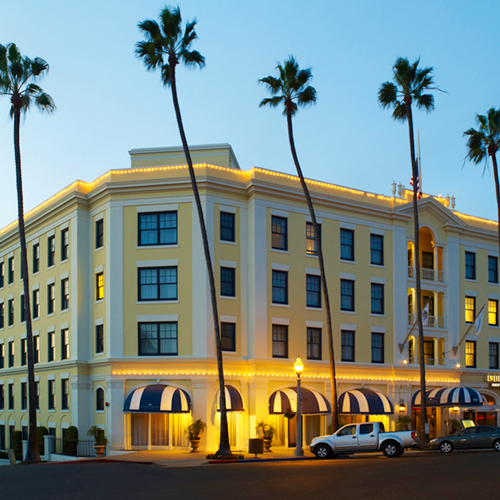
point(224, 448)
point(33, 454)
point(497, 192)
point(423, 402)
point(317, 236)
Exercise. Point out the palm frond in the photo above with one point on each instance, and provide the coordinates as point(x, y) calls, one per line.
point(272, 101)
point(39, 66)
point(307, 96)
point(149, 53)
point(166, 75)
point(387, 95)
point(400, 112)
point(274, 84)
point(45, 103)
point(171, 22)
point(425, 101)
point(150, 29)
point(192, 58)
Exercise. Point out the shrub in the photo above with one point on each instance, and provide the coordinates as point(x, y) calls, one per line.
point(16, 443)
point(70, 442)
point(40, 432)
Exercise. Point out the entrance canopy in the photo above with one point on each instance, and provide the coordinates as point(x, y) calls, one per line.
point(157, 399)
point(365, 402)
point(285, 400)
point(234, 401)
point(451, 396)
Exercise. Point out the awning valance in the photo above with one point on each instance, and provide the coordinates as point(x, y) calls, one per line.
point(451, 396)
point(234, 401)
point(285, 400)
point(157, 399)
point(365, 402)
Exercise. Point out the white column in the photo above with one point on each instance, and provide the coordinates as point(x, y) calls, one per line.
point(115, 396)
point(455, 300)
point(400, 270)
point(82, 404)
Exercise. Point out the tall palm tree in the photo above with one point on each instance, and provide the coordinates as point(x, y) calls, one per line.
point(17, 80)
point(293, 90)
point(486, 142)
point(165, 46)
point(411, 86)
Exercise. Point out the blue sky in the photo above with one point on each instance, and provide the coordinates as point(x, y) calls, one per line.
point(107, 103)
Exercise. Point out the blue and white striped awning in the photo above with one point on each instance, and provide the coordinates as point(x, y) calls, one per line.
point(234, 401)
point(285, 400)
point(365, 402)
point(451, 396)
point(157, 399)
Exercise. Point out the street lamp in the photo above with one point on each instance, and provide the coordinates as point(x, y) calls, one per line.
point(299, 452)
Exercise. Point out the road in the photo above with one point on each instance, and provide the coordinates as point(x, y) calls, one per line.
point(413, 476)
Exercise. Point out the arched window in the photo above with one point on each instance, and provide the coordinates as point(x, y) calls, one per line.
point(99, 399)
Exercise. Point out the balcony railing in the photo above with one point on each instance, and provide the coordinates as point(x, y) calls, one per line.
point(428, 361)
point(432, 321)
point(427, 274)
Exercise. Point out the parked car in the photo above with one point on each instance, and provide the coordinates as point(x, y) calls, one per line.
point(482, 436)
point(365, 437)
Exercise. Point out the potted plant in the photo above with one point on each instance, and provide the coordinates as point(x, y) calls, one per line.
point(404, 423)
point(99, 439)
point(454, 425)
point(193, 431)
point(266, 431)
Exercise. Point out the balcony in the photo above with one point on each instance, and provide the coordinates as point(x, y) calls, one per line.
point(428, 361)
point(433, 321)
point(427, 274)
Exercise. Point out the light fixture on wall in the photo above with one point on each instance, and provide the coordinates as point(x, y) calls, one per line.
point(299, 367)
point(402, 406)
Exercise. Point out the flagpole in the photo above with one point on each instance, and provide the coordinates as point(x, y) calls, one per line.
point(455, 348)
point(419, 162)
point(402, 346)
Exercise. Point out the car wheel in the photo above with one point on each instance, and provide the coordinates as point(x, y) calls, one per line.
point(322, 451)
point(496, 445)
point(401, 451)
point(446, 447)
point(391, 449)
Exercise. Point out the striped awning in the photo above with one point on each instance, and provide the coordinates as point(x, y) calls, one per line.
point(285, 400)
point(451, 396)
point(365, 402)
point(157, 399)
point(234, 401)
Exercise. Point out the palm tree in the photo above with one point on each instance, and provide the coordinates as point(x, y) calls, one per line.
point(411, 85)
point(17, 77)
point(164, 47)
point(483, 143)
point(292, 89)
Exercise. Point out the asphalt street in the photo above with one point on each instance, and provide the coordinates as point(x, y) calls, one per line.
point(458, 475)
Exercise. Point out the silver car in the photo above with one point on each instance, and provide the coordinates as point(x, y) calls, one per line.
point(482, 436)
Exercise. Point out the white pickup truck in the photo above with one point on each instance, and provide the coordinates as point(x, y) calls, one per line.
point(365, 437)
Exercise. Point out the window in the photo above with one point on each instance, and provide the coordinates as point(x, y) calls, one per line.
point(2, 402)
point(226, 226)
point(36, 258)
point(158, 339)
point(36, 349)
point(99, 233)
point(470, 354)
point(11, 270)
point(65, 343)
point(11, 353)
point(24, 395)
point(313, 286)
point(36, 304)
point(346, 244)
point(11, 396)
point(51, 250)
point(493, 352)
point(65, 244)
point(51, 298)
point(279, 233)
point(51, 341)
point(1, 274)
point(11, 312)
point(347, 344)
point(52, 395)
point(280, 341)
point(23, 309)
point(158, 228)
point(2, 430)
point(311, 245)
point(155, 283)
point(377, 249)
point(2, 356)
point(347, 295)
point(470, 309)
point(280, 287)
point(314, 343)
point(99, 399)
point(227, 281)
point(99, 287)
point(65, 394)
point(24, 351)
point(470, 265)
point(493, 312)
point(429, 352)
point(64, 294)
point(377, 347)
point(429, 299)
point(2, 315)
point(427, 260)
point(492, 269)
point(99, 338)
point(377, 298)
point(365, 429)
point(228, 336)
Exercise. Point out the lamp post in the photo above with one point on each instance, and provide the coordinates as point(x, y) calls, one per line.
point(299, 452)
